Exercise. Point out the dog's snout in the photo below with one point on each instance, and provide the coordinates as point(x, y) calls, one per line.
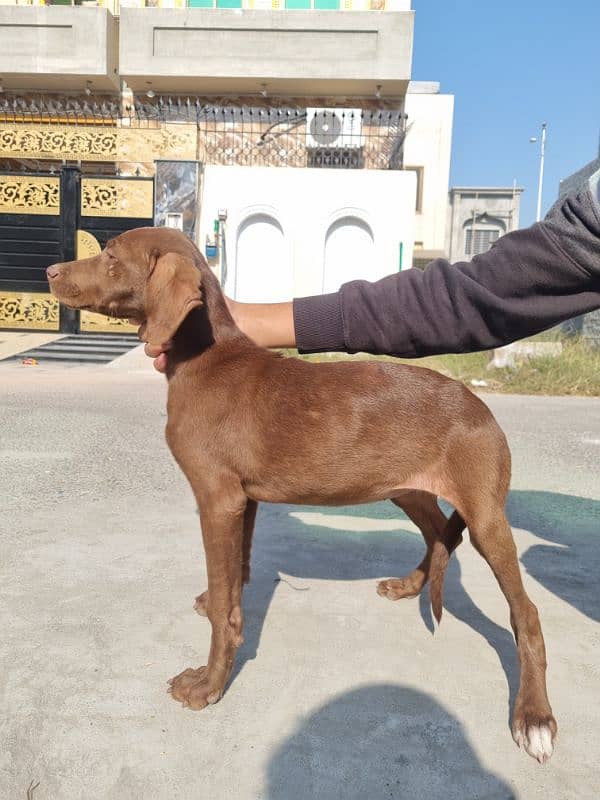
point(52, 272)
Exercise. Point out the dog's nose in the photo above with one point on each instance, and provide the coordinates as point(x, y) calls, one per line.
point(52, 272)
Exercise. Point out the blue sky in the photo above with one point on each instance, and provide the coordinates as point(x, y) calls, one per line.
point(512, 65)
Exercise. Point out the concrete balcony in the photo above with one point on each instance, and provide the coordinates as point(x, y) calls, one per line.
point(318, 53)
point(58, 48)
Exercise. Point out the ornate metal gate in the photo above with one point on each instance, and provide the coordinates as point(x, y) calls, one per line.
point(48, 218)
point(31, 238)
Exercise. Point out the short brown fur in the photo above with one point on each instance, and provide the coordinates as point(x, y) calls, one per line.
point(246, 425)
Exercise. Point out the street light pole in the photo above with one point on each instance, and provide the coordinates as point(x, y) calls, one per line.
point(541, 178)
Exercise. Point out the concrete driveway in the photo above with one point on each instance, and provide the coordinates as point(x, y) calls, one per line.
point(338, 693)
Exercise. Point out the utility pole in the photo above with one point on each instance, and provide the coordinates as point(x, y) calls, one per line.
point(541, 178)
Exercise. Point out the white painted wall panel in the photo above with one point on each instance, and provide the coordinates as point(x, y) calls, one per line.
point(304, 205)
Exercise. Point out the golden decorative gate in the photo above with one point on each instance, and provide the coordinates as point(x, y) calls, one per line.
point(47, 218)
point(31, 238)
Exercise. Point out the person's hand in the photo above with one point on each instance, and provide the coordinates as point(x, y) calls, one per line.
point(159, 354)
point(267, 324)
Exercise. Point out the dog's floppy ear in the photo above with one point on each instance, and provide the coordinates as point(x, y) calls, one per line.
point(172, 291)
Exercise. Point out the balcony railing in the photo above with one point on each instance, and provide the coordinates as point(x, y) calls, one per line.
point(278, 137)
point(242, 135)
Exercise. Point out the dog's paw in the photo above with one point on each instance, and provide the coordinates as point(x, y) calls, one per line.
point(193, 688)
point(397, 588)
point(201, 604)
point(536, 734)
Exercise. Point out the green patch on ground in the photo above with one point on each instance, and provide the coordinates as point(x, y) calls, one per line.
point(575, 372)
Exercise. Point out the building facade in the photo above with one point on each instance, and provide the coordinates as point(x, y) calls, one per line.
point(587, 325)
point(427, 149)
point(281, 136)
point(478, 216)
point(575, 180)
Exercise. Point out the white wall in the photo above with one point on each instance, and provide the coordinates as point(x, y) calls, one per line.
point(349, 248)
point(294, 232)
point(428, 144)
point(262, 236)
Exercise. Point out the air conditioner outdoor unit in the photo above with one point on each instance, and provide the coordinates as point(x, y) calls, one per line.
point(334, 127)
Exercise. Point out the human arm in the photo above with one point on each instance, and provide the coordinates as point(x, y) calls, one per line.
point(530, 280)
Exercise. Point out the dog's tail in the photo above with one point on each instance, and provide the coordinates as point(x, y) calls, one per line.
point(442, 550)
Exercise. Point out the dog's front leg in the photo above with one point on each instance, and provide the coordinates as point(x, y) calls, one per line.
point(201, 602)
point(222, 520)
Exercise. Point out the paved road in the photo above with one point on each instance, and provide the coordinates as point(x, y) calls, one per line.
point(338, 693)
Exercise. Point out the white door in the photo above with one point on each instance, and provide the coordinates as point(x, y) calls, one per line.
point(349, 253)
point(263, 269)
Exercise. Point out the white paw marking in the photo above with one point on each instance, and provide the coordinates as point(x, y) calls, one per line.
point(537, 741)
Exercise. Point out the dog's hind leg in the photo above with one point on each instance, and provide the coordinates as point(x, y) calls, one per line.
point(201, 602)
point(423, 510)
point(249, 520)
point(533, 726)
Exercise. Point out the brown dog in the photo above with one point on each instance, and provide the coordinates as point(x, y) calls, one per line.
point(246, 425)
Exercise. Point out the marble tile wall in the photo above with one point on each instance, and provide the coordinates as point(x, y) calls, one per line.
point(176, 195)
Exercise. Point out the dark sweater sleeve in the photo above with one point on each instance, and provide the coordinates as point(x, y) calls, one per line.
point(530, 280)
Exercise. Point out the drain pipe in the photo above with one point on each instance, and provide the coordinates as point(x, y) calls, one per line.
point(221, 244)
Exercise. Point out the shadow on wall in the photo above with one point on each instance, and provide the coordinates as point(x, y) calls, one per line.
point(568, 566)
point(380, 742)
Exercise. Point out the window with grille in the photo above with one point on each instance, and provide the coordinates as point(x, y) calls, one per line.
point(482, 241)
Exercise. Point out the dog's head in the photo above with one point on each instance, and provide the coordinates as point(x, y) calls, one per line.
point(150, 275)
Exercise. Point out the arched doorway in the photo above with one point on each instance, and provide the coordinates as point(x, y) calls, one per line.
point(349, 252)
point(263, 269)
